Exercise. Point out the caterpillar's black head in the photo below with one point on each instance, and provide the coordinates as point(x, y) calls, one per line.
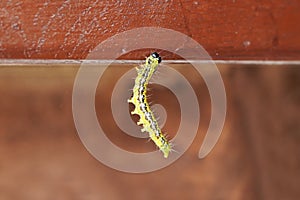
point(156, 55)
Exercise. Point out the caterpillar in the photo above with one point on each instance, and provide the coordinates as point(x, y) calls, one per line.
point(142, 108)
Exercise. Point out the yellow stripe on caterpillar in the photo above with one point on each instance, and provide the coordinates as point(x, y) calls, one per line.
point(142, 108)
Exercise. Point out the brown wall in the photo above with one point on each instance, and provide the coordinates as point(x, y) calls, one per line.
point(257, 156)
point(230, 29)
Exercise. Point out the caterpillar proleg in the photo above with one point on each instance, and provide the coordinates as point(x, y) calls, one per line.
point(142, 107)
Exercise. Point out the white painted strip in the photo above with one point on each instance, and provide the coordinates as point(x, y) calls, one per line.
point(70, 61)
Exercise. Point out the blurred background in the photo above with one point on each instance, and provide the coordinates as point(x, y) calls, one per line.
point(257, 155)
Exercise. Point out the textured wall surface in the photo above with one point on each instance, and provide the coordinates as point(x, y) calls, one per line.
point(231, 29)
point(257, 156)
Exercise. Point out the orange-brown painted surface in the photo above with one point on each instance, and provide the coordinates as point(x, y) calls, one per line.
point(257, 156)
point(232, 29)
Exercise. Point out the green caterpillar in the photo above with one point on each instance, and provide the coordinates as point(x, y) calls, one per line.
point(142, 108)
